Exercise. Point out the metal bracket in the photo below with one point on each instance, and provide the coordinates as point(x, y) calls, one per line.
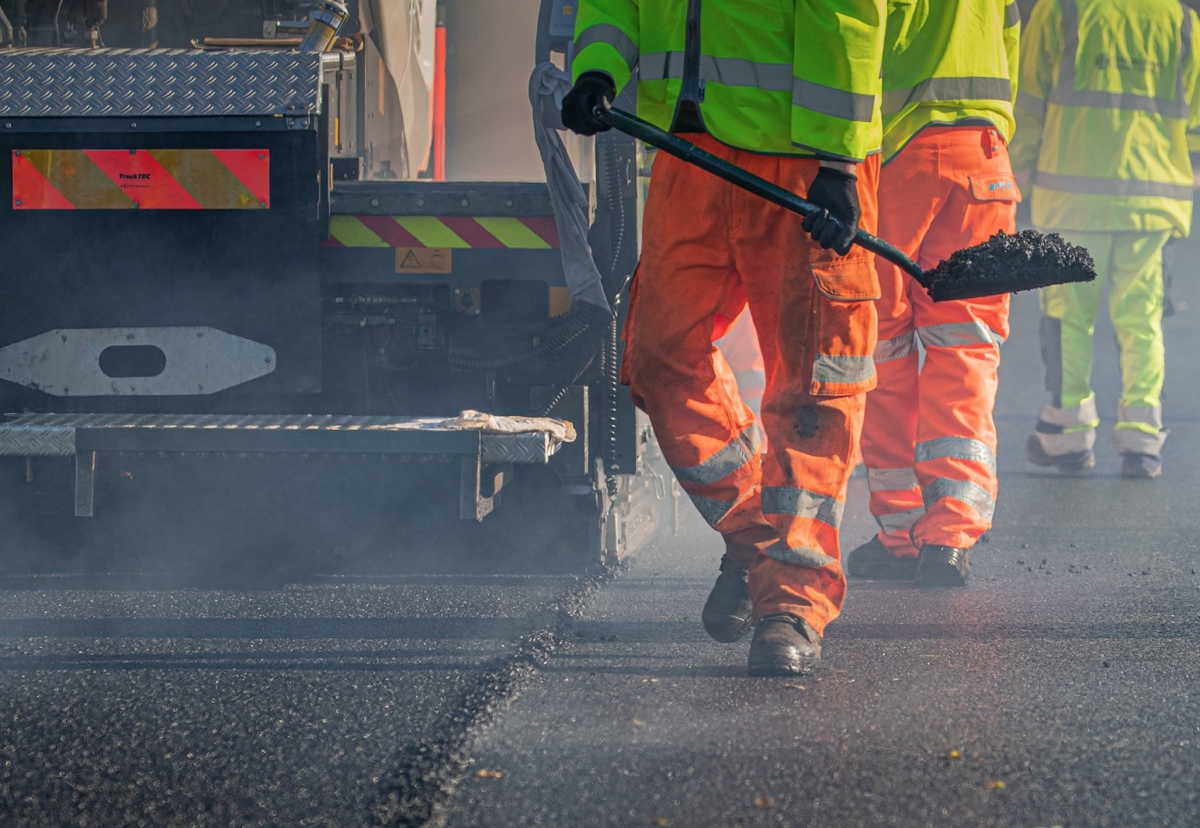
point(479, 487)
point(85, 484)
point(487, 459)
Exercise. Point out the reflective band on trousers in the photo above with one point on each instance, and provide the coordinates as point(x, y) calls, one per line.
point(1012, 15)
point(900, 521)
point(614, 37)
point(1083, 415)
point(711, 510)
point(1083, 185)
point(843, 369)
point(891, 480)
point(771, 77)
point(1144, 414)
point(958, 334)
point(969, 493)
point(798, 555)
point(948, 89)
point(1139, 442)
point(1072, 442)
point(1065, 93)
point(783, 500)
point(725, 462)
point(961, 448)
point(896, 348)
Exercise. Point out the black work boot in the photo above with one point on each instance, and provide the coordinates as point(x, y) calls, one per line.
point(728, 613)
point(1077, 462)
point(1140, 466)
point(943, 566)
point(784, 645)
point(872, 561)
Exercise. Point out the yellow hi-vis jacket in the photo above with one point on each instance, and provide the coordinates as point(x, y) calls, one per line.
point(1193, 143)
point(772, 76)
point(948, 62)
point(1108, 91)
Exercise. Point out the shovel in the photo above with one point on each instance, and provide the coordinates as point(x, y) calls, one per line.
point(1002, 264)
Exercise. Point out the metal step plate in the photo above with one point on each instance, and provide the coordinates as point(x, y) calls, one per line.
point(64, 435)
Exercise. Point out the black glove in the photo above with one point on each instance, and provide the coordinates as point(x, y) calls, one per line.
point(593, 89)
point(836, 192)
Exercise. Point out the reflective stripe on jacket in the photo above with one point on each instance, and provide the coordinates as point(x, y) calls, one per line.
point(948, 62)
point(1193, 143)
point(772, 76)
point(1108, 92)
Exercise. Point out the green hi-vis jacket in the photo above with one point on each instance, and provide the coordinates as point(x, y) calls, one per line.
point(794, 77)
point(1108, 91)
point(948, 62)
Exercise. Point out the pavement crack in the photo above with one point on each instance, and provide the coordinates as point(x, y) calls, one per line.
point(427, 771)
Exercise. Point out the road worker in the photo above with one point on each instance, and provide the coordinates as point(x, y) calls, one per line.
point(1108, 92)
point(790, 93)
point(929, 441)
point(1169, 254)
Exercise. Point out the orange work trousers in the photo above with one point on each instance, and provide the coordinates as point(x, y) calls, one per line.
point(929, 440)
point(709, 248)
point(739, 346)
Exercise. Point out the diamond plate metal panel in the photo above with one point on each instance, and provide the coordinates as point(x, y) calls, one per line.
point(45, 83)
point(36, 441)
point(532, 449)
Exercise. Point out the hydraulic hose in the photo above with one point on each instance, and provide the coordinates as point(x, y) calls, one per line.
point(612, 386)
point(610, 163)
point(561, 331)
point(608, 160)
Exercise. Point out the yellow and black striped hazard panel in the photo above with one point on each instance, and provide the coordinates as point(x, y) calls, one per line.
point(450, 232)
point(156, 179)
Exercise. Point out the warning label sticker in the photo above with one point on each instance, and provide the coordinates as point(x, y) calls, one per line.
point(423, 260)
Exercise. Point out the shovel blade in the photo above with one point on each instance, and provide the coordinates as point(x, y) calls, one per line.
point(1008, 264)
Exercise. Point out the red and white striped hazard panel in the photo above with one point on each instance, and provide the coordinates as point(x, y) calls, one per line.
point(156, 179)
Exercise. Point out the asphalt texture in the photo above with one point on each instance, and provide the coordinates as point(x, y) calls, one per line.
point(1057, 689)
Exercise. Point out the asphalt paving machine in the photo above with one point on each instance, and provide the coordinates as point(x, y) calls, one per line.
point(232, 257)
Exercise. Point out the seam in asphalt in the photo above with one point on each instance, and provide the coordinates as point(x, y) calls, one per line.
point(428, 771)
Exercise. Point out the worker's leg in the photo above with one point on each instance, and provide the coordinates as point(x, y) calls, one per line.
point(739, 346)
point(685, 280)
point(1135, 301)
point(908, 193)
point(956, 436)
point(816, 325)
point(1067, 426)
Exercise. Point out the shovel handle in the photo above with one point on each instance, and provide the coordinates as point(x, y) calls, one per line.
point(692, 154)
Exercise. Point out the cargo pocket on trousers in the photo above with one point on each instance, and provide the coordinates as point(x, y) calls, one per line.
point(845, 330)
point(1002, 187)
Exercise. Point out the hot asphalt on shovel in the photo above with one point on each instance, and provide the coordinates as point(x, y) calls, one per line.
point(1002, 264)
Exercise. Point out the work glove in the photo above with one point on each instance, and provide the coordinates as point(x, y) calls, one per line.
point(593, 89)
point(835, 191)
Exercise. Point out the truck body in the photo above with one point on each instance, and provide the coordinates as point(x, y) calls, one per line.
point(230, 254)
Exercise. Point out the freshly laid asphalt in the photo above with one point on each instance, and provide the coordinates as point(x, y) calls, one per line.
point(1060, 688)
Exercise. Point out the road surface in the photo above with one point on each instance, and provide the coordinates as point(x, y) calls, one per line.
point(1058, 689)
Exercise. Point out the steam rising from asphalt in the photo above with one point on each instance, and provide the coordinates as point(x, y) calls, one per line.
point(264, 522)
